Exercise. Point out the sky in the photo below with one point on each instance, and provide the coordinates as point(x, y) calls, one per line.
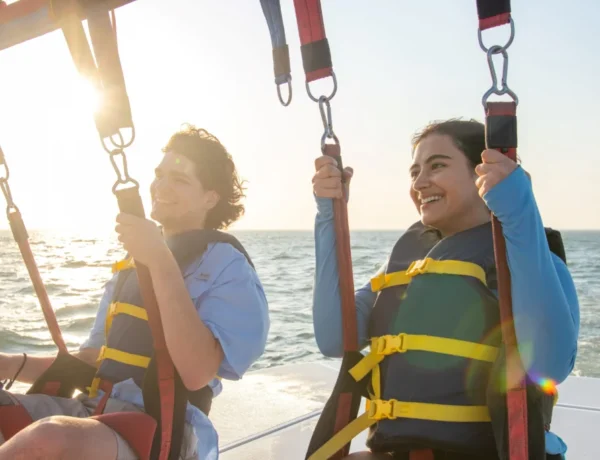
point(399, 65)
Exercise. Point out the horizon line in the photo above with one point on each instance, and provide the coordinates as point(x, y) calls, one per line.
point(307, 229)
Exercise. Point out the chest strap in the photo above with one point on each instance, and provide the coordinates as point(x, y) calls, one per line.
point(378, 409)
point(119, 308)
point(428, 266)
point(401, 343)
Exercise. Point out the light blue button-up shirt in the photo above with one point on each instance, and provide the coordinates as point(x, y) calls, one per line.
point(231, 302)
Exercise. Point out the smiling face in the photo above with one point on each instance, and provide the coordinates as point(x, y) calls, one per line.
point(179, 201)
point(443, 186)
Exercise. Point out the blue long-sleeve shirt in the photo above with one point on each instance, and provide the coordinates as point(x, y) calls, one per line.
point(545, 304)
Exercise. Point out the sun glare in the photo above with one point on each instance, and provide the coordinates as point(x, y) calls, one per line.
point(85, 96)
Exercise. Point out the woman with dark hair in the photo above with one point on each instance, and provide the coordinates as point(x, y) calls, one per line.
point(431, 316)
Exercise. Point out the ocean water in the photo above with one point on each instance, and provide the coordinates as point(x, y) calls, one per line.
point(75, 268)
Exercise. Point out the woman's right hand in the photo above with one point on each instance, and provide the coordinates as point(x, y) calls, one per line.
point(327, 180)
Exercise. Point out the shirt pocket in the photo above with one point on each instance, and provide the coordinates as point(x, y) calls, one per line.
point(198, 284)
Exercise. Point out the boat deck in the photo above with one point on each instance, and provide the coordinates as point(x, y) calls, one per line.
point(271, 413)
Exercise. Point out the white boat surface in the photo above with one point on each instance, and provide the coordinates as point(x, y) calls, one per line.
point(271, 413)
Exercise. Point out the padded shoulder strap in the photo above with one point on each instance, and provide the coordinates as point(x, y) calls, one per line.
point(556, 243)
point(188, 246)
point(216, 236)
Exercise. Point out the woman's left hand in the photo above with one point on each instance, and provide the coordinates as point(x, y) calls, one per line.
point(142, 239)
point(495, 168)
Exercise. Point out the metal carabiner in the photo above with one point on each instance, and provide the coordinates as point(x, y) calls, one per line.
point(289, 85)
point(508, 43)
point(6, 174)
point(119, 143)
point(10, 204)
point(497, 49)
point(326, 116)
point(122, 178)
point(324, 140)
point(330, 97)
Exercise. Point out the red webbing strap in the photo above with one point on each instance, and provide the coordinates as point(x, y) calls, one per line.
point(316, 56)
point(344, 258)
point(13, 419)
point(164, 365)
point(137, 428)
point(67, 15)
point(19, 9)
point(501, 134)
point(346, 287)
point(29, 19)
point(22, 238)
point(493, 13)
point(101, 66)
point(116, 113)
point(130, 202)
point(343, 417)
point(421, 454)
point(106, 387)
point(51, 388)
point(501, 128)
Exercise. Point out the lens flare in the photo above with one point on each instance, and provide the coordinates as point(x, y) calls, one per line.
point(548, 386)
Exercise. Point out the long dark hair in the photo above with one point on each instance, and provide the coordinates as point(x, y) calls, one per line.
point(468, 136)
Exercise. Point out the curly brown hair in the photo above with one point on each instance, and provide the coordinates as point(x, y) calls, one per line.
point(215, 170)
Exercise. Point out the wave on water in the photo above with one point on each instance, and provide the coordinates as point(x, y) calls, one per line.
point(75, 264)
point(286, 266)
point(78, 325)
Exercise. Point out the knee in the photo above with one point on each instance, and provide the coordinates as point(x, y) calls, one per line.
point(51, 435)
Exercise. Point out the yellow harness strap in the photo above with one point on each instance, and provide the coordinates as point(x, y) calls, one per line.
point(385, 280)
point(392, 409)
point(123, 357)
point(117, 308)
point(124, 264)
point(401, 343)
point(93, 389)
point(120, 356)
point(378, 410)
point(343, 437)
point(446, 267)
point(424, 266)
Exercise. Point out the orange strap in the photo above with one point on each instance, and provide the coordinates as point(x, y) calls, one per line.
point(17, 10)
point(13, 419)
point(516, 394)
point(137, 428)
point(130, 202)
point(22, 238)
point(422, 454)
point(344, 413)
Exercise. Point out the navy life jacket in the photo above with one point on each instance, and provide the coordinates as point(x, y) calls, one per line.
point(129, 346)
point(434, 376)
